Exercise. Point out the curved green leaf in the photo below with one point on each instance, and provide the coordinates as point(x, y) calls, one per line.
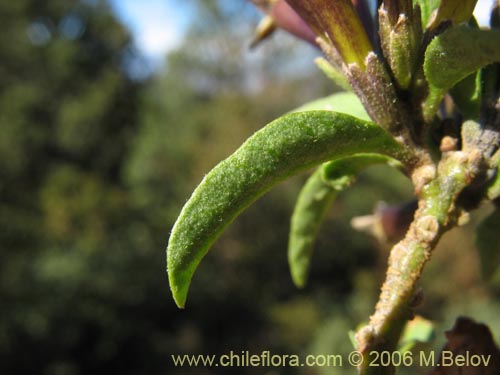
point(488, 244)
point(458, 52)
point(308, 215)
point(313, 202)
point(285, 147)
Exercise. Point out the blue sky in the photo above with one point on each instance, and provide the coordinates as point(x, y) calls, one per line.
point(158, 26)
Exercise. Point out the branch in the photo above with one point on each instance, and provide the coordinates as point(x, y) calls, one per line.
point(437, 213)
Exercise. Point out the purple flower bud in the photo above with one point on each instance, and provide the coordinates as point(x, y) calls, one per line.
point(287, 19)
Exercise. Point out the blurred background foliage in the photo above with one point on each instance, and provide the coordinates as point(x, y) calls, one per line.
point(96, 164)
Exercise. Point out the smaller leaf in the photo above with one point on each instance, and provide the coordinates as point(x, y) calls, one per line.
point(342, 102)
point(458, 52)
point(311, 207)
point(334, 74)
point(454, 55)
point(313, 202)
point(335, 172)
point(488, 244)
point(417, 331)
point(431, 104)
point(467, 95)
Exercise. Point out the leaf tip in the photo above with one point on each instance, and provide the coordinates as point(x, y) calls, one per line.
point(178, 278)
point(179, 290)
point(299, 274)
point(299, 281)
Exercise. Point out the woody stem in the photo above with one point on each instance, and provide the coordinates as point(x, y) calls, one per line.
point(437, 213)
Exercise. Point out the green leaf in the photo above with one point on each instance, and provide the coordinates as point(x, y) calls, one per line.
point(313, 202)
point(283, 148)
point(310, 210)
point(454, 55)
point(467, 95)
point(335, 172)
point(488, 244)
point(427, 7)
point(458, 52)
point(333, 73)
point(342, 102)
point(431, 104)
point(417, 331)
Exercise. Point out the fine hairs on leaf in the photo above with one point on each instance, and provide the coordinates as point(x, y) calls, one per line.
point(283, 148)
point(454, 55)
point(430, 83)
point(458, 52)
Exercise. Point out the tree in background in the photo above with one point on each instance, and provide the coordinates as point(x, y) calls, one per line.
point(67, 112)
point(92, 172)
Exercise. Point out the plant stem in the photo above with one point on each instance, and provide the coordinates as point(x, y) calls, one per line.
point(437, 213)
point(394, 308)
